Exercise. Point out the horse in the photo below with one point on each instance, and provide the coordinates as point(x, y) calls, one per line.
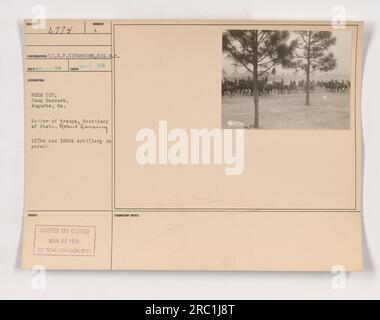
point(229, 87)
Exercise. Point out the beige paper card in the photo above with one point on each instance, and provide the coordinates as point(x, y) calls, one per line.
point(192, 145)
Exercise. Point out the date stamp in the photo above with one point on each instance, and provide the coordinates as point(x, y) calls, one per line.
point(64, 240)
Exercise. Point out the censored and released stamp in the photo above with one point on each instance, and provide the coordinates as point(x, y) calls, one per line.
point(64, 240)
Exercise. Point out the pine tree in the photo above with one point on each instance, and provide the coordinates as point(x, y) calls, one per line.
point(313, 55)
point(258, 51)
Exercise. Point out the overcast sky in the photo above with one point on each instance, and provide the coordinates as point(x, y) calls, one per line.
point(341, 50)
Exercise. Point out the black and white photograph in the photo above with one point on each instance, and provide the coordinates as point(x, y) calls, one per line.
point(286, 79)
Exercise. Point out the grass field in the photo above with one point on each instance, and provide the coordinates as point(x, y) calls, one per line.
point(328, 110)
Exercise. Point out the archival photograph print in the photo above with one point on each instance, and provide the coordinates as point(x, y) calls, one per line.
point(286, 79)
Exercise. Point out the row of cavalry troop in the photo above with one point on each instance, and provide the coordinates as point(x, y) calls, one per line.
point(245, 86)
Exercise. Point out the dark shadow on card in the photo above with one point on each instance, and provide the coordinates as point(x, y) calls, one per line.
point(20, 27)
